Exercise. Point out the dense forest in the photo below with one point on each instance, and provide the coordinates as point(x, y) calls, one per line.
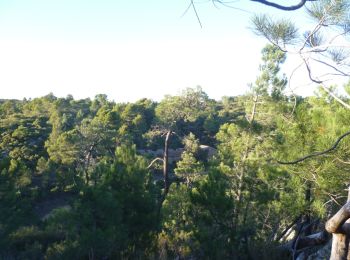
point(188, 177)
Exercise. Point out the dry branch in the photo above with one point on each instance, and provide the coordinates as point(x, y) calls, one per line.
point(334, 146)
point(283, 7)
point(335, 224)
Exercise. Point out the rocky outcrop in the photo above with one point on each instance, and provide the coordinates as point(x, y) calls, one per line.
point(175, 154)
point(323, 253)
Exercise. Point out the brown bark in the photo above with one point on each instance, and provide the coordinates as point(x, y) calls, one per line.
point(87, 163)
point(334, 224)
point(338, 225)
point(340, 247)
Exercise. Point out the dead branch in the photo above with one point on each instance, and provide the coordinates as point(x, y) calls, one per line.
point(333, 147)
point(153, 161)
point(335, 224)
point(335, 97)
point(282, 7)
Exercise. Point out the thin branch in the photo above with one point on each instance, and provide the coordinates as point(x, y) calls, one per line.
point(331, 66)
point(290, 88)
point(316, 29)
point(340, 160)
point(323, 86)
point(188, 8)
point(335, 97)
point(338, 35)
point(252, 116)
point(309, 72)
point(195, 11)
point(323, 48)
point(333, 198)
point(334, 146)
point(226, 4)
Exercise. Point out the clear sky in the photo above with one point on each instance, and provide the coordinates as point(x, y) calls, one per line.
point(125, 49)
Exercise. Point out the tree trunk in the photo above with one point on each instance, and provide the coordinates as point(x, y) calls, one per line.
point(87, 162)
point(165, 162)
point(339, 226)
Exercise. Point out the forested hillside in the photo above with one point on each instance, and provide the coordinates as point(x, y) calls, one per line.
point(80, 179)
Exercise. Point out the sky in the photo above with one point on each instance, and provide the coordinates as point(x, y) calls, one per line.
point(127, 49)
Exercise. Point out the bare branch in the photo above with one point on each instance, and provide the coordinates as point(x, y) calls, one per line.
point(188, 8)
point(334, 224)
point(323, 48)
point(282, 7)
point(195, 11)
point(316, 29)
point(342, 73)
point(309, 72)
point(340, 160)
point(291, 90)
point(334, 146)
point(323, 86)
point(335, 97)
point(155, 160)
point(227, 4)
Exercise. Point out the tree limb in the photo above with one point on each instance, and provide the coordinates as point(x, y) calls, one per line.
point(334, 146)
point(196, 13)
point(335, 97)
point(153, 161)
point(282, 7)
point(342, 73)
point(334, 225)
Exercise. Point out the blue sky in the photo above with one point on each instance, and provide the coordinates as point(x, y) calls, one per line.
point(125, 49)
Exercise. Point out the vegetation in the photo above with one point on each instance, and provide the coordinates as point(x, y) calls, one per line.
point(76, 180)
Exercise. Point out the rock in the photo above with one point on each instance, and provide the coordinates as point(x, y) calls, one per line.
point(323, 253)
point(175, 154)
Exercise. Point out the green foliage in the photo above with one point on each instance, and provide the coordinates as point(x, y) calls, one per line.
point(198, 220)
point(136, 120)
point(190, 167)
point(277, 32)
point(177, 237)
point(72, 185)
point(114, 218)
point(268, 83)
point(15, 204)
point(174, 111)
point(322, 46)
